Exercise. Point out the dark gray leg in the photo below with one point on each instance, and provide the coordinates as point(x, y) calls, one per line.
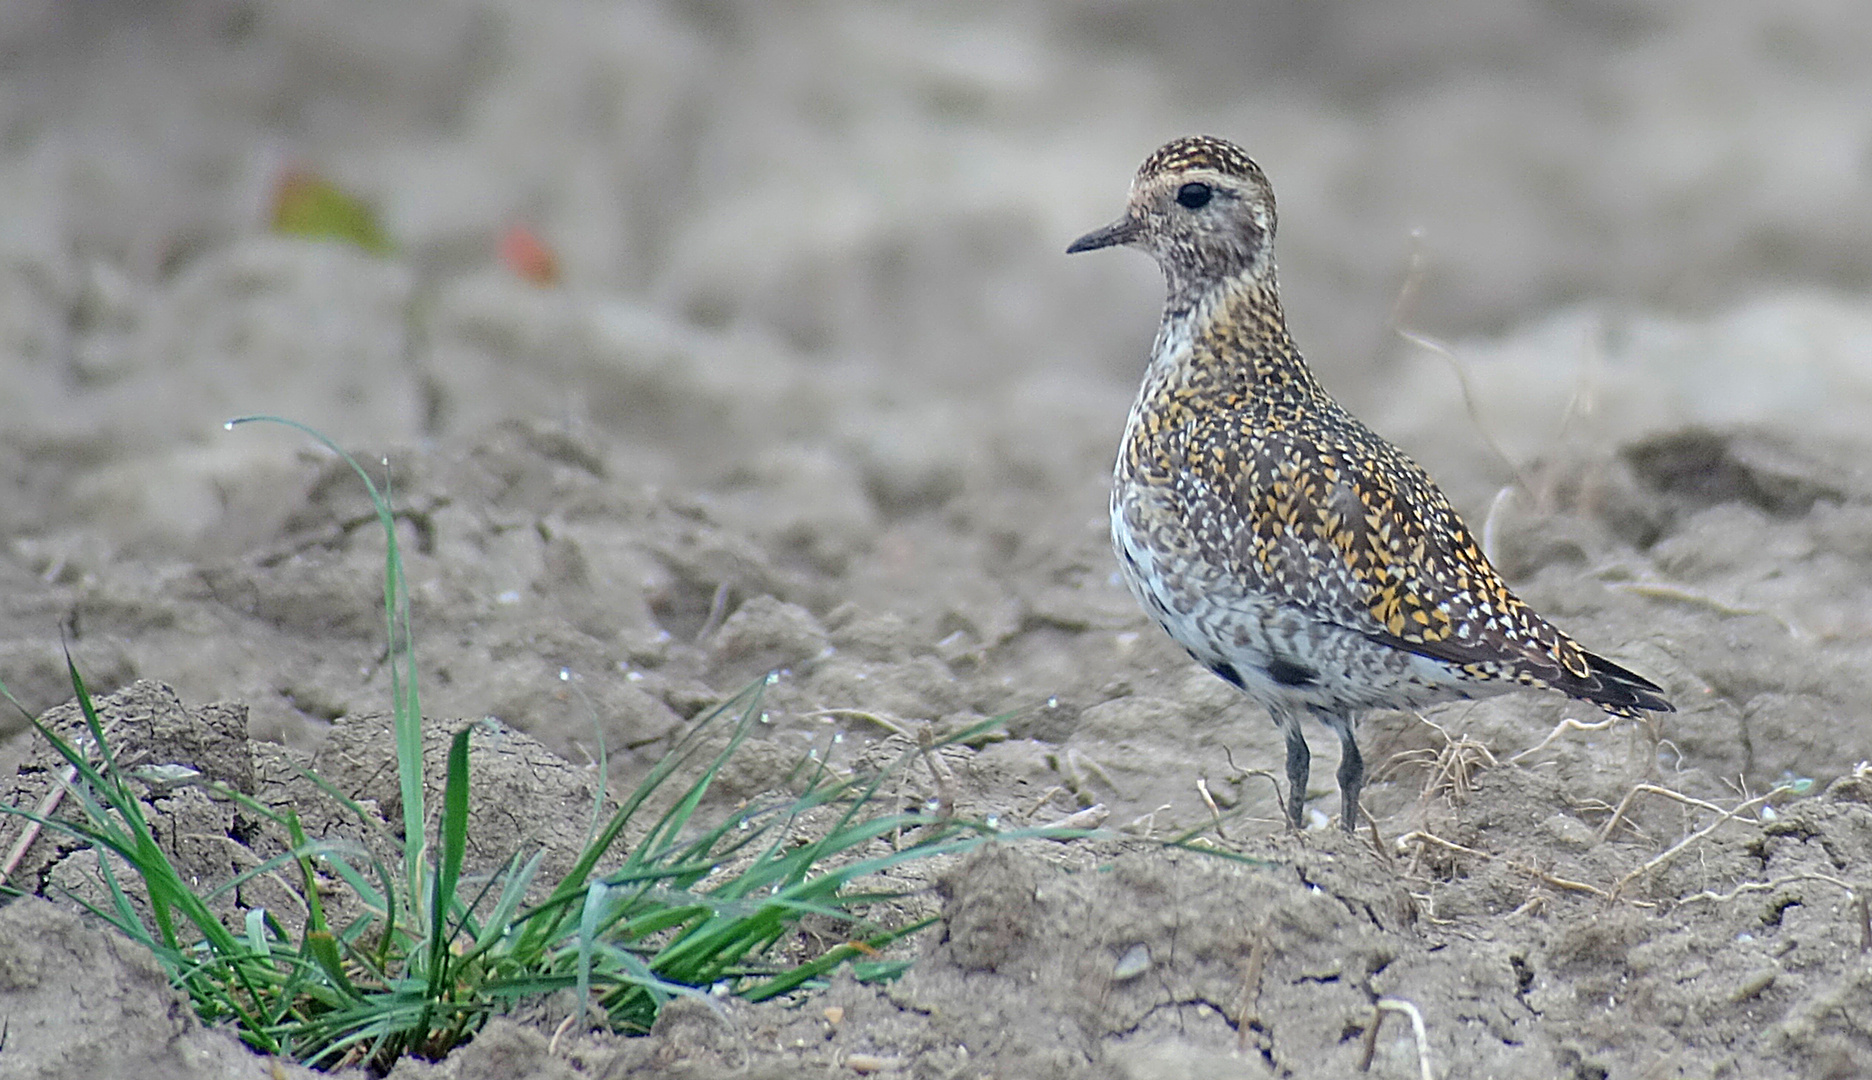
point(1299, 764)
point(1351, 774)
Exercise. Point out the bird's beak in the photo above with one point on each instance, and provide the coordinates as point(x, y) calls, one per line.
point(1122, 231)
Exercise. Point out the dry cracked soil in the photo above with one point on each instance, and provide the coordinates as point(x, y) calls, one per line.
point(815, 393)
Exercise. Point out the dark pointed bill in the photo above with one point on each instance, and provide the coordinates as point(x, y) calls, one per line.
point(1122, 231)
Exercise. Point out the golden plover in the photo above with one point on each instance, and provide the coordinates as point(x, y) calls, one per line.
point(1290, 549)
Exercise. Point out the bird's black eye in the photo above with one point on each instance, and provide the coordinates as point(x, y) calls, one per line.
point(1194, 196)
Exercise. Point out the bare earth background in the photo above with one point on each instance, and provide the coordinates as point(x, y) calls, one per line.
point(819, 392)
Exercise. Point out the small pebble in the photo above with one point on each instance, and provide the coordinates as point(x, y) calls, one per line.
point(1569, 831)
point(1755, 984)
point(1136, 961)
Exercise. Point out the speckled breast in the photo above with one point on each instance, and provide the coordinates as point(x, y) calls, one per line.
point(1250, 636)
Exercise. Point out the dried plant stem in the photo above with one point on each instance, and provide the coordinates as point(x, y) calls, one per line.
point(1770, 886)
point(1252, 968)
point(1663, 590)
point(1421, 837)
point(1090, 818)
point(1559, 882)
point(1266, 774)
point(1433, 840)
point(1397, 1005)
point(1424, 341)
point(1631, 796)
point(1678, 848)
point(1561, 728)
point(31, 833)
point(1215, 812)
point(1492, 519)
point(885, 722)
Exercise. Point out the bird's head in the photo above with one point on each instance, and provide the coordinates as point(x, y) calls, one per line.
point(1204, 211)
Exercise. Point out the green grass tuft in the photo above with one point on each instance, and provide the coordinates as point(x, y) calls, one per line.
point(693, 906)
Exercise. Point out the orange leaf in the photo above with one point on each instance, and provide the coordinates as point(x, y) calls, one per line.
point(524, 253)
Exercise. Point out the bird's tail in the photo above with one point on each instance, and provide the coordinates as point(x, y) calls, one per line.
point(1618, 691)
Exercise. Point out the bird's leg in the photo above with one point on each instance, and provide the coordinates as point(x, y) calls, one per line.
point(1299, 764)
point(1351, 773)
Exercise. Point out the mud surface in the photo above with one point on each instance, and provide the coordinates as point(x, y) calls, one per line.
point(816, 393)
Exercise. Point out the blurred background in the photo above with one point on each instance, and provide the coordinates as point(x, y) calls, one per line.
point(895, 182)
point(808, 256)
point(707, 338)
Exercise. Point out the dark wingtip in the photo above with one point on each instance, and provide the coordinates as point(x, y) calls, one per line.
point(1617, 688)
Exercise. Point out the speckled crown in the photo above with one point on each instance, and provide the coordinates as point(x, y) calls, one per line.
point(1202, 152)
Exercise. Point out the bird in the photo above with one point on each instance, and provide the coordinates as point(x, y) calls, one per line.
point(1290, 549)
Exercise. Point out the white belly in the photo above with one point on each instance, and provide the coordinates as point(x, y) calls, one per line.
point(1277, 654)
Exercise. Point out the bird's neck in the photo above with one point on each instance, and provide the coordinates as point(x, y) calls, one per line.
point(1229, 335)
